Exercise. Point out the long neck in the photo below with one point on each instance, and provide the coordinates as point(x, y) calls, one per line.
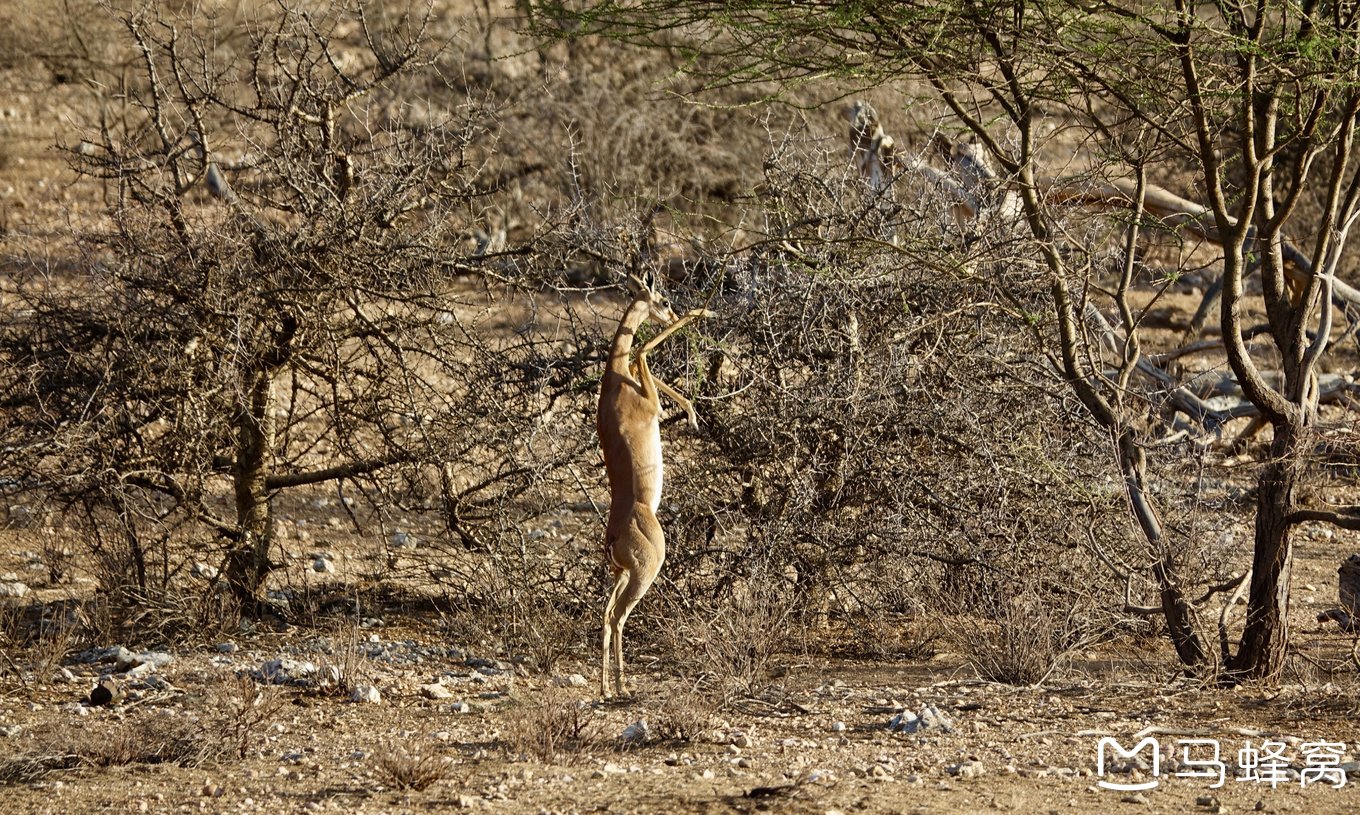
point(623, 338)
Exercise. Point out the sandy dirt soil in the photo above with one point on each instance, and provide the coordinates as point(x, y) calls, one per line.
point(821, 741)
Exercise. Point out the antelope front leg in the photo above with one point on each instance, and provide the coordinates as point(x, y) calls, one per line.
point(680, 322)
point(676, 397)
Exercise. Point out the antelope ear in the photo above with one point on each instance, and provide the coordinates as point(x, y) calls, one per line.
point(635, 284)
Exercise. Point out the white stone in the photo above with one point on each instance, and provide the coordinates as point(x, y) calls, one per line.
point(435, 690)
point(281, 671)
point(930, 718)
point(967, 769)
point(13, 589)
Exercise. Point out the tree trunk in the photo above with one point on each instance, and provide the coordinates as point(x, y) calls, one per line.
point(1262, 650)
point(1175, 608)
point(136, 551)
point(248, 559)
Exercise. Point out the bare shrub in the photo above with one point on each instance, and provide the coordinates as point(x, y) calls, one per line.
point(1022, 641)
point(553, 727)
point(36, 639)
point(882, 635)
point(533, 606)
point(56, 636)
point(156, 738)
point(281, 298)
point(242, 710)
point(417, 771)
point(10, 635)
point(683, 714)
point(26, 767)
point(730, 649)
point(885, 430)
point(544, 633)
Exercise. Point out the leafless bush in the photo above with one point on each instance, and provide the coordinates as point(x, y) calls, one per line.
point(35, 639)
point(11, 635)
point(534, 602)
point(544, 633)
point(733, 646)
point(1021, 640)
point(26, 767)
point(242, 710)
point(683, 714)
point(886, 635)
point(885, 433)
point(418, 771)
point(528, 598)
point(153, 738)
point(552, 727)
point(282, 299)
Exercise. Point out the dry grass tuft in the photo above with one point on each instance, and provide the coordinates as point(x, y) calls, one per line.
point(732, 648)
point(345, 667)
point(33, 647)
point(412, 771)
point(154, 738)
point(28, 767)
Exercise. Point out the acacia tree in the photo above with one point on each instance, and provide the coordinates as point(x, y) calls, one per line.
point(1259, 108)
point(278, 294)
point(892, 375)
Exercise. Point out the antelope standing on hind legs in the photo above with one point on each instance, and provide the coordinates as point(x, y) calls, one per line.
point(629, 424)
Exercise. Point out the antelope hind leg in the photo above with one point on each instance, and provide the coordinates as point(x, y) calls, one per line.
point(611, 636)
point(628, 599)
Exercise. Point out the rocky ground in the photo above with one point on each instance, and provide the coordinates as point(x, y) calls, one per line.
point(389, 718)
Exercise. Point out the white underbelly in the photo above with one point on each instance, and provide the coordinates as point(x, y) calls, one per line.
point(649, 470)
